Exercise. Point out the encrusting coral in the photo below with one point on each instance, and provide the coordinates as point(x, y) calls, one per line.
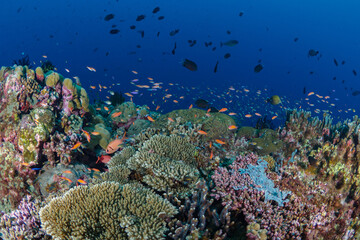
point(107, 211)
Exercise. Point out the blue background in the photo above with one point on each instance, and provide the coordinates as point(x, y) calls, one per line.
point(81, 38)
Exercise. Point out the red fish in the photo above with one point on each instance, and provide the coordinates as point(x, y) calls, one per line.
point(115, 145)
point(104, 159)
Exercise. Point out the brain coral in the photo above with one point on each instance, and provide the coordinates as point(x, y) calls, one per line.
point(107, 211)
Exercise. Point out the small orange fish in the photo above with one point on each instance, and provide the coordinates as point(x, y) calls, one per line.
point(67, 70)
point(94, 169)
point(128, 94)
point(208, 110)
point(91, 69)
point(274, 117)
point(220, 142)
point(208, 114)
point(210, 144)
point(44, 56)
point(310, 93)
point(93, 87)
point(24, 164)
point(190, 107)
point(157, 108)
point(232, 114)
point(231, 127)
point(223, 110)
point(115, 144)
point(248, 115)
point(175, 101)
point(106, 108)
point(150, 119)
point(116, 114)
point(170, 119)
point(95, 133)
point(202, 132)
point(78, 144)
point(81, 181)
point(134, 72)
point(87, 134)
point(67, 171)
point(258, 114)
point(65, 178)
point(211, 154)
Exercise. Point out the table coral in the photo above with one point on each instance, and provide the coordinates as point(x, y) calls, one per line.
point(107, 211)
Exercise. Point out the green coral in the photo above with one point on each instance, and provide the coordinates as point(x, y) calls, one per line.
point(30, 136)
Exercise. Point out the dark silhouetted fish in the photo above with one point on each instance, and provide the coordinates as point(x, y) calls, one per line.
point(258, 68)
point(155, 10)
point(138, 46)
point(216, 66)
point(192, 43)
point(214, 48)
point(140, 18)
point(174, 32)
point(355, 93)
point(173, 51)
point(114, 31)
point(142, 33)
point(312, 53)
point(334, 78)
point(107, 54)
point(109, 17)
point(201, 103)
point(158, 34)
point(304, 90)
point(354, 72)
point(161, 18)
point(228, 32)
point(241, 14)
point(189, 64)
point(227, 55)
point(229, 43)
point(343, 62)
point(296, 39)
point(207, 44)
point(113, 26)
point(336, 62)
point(132, 27)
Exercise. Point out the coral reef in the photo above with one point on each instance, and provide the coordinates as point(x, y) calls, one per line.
point(24, 222)
point(107, 211)
point(166, 163)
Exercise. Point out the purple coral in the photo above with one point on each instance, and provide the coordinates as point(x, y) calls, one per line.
point(292, 220)
point(22, 223)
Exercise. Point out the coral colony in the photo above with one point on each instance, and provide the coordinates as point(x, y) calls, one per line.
point(73, 170)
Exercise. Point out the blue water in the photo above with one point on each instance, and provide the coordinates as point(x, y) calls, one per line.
point(74, 35)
